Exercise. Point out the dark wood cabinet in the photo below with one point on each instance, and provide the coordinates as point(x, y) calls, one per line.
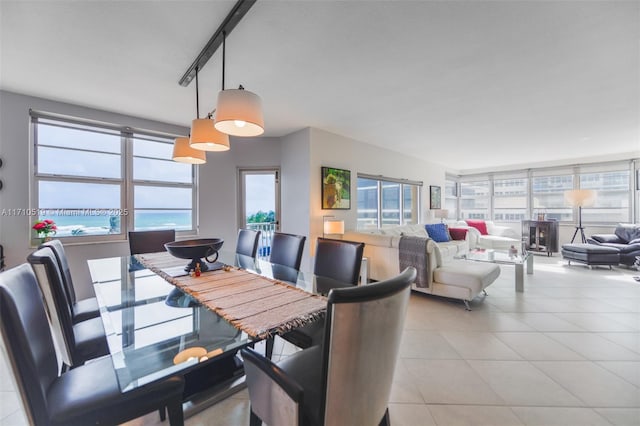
point(540, 236)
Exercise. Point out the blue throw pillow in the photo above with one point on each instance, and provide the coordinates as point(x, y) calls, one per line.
point(438, 232)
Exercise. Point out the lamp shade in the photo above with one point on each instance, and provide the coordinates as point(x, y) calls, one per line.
point(239, 113)
point(441, 213)
point(183, 153)
point(580, 197)
point(205, 137)
point(334, 227)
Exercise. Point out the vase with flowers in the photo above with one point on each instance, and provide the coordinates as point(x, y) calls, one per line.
point(45, 229)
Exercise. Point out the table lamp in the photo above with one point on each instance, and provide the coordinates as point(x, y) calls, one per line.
point(441, 213)
point(332, 226)
point(580, 198)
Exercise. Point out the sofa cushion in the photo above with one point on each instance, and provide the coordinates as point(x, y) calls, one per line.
point(458, 233)
point(627, 232)
point(437, 232)
point(465, 273)
point(480, 225)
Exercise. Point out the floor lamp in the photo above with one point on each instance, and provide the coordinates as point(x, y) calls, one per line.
point(580, 198)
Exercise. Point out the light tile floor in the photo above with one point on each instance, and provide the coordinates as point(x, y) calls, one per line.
point(564, 352)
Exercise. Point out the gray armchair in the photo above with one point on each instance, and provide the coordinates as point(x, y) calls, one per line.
point(347, 380)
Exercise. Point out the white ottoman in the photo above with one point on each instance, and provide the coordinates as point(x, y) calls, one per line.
point(464, 279)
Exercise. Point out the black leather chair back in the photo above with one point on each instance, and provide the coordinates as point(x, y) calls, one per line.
point(63, 265)
point(286, 249)
point(247, 242)
point(45, 266)
point(150, 241)
point(27, 339)
point(339, 260)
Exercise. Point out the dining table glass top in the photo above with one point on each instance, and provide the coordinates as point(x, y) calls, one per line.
point(154, 330)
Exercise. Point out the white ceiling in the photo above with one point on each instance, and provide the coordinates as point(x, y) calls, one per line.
point(471, 85)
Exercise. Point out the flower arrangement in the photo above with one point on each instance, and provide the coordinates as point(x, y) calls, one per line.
point(45, 227)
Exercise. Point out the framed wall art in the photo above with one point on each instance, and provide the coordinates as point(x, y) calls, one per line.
point(435, 197)
point(336, 189)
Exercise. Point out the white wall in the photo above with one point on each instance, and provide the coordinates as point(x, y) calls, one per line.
point(295, 187)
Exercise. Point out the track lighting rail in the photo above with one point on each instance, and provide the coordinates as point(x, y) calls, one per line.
point(237, 13)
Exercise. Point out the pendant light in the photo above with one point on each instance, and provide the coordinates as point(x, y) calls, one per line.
point(183, 153)
point(239, 111)
point(204, 135)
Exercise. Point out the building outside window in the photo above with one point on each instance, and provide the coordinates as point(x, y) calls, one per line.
point(99, 181)
point(510, 199)
point(475, 200)
point(387, 202)
point(451, 197)
point(612, 203)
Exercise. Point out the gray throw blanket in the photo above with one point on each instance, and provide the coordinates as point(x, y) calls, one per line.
point(412, 251)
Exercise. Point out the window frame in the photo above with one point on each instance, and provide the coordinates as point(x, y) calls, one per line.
point(401, 209)
point(126, 181)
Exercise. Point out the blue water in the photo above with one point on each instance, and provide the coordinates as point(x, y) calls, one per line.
point(97, 224)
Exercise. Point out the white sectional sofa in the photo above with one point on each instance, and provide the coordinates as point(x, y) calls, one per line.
point(445, 276)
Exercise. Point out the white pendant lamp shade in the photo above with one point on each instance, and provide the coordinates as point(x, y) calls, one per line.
point(239, 113)
point(205, 137)
point(183, 153)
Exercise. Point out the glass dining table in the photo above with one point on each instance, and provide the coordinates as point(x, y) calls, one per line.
point(154, 330)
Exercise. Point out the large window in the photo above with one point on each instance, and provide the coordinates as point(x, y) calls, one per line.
point(451, 197)
point(548, 196)
point(613, 196)
point(387, 202)
point(514, 196)
point(510, 199)
point(475, 200)
point(98, 181)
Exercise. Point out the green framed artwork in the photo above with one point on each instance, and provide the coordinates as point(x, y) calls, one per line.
point(336, 189)
point(435, 197)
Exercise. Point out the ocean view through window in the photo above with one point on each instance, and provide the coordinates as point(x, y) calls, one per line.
point(97, 181)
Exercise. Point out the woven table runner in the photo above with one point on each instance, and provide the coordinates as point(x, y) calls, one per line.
point(257, 305)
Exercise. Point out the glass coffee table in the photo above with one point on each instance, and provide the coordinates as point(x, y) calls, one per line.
point(505, 258)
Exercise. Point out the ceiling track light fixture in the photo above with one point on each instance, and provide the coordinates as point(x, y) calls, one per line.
point(239, 111)
point(204, 136)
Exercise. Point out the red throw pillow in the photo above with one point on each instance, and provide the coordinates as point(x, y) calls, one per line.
point(480, 225)
point(458, 233)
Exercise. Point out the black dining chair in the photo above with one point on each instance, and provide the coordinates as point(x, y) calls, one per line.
point(337, 264)
point(246, 248)
point(80, 309)
point(248, 240)
point(286, 249)
point(89, 394)
point(150, 241)
point(346, 380)
point(78, 342)
point(339, 260)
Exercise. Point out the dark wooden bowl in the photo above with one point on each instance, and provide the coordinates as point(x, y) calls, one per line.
point(196, 250)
